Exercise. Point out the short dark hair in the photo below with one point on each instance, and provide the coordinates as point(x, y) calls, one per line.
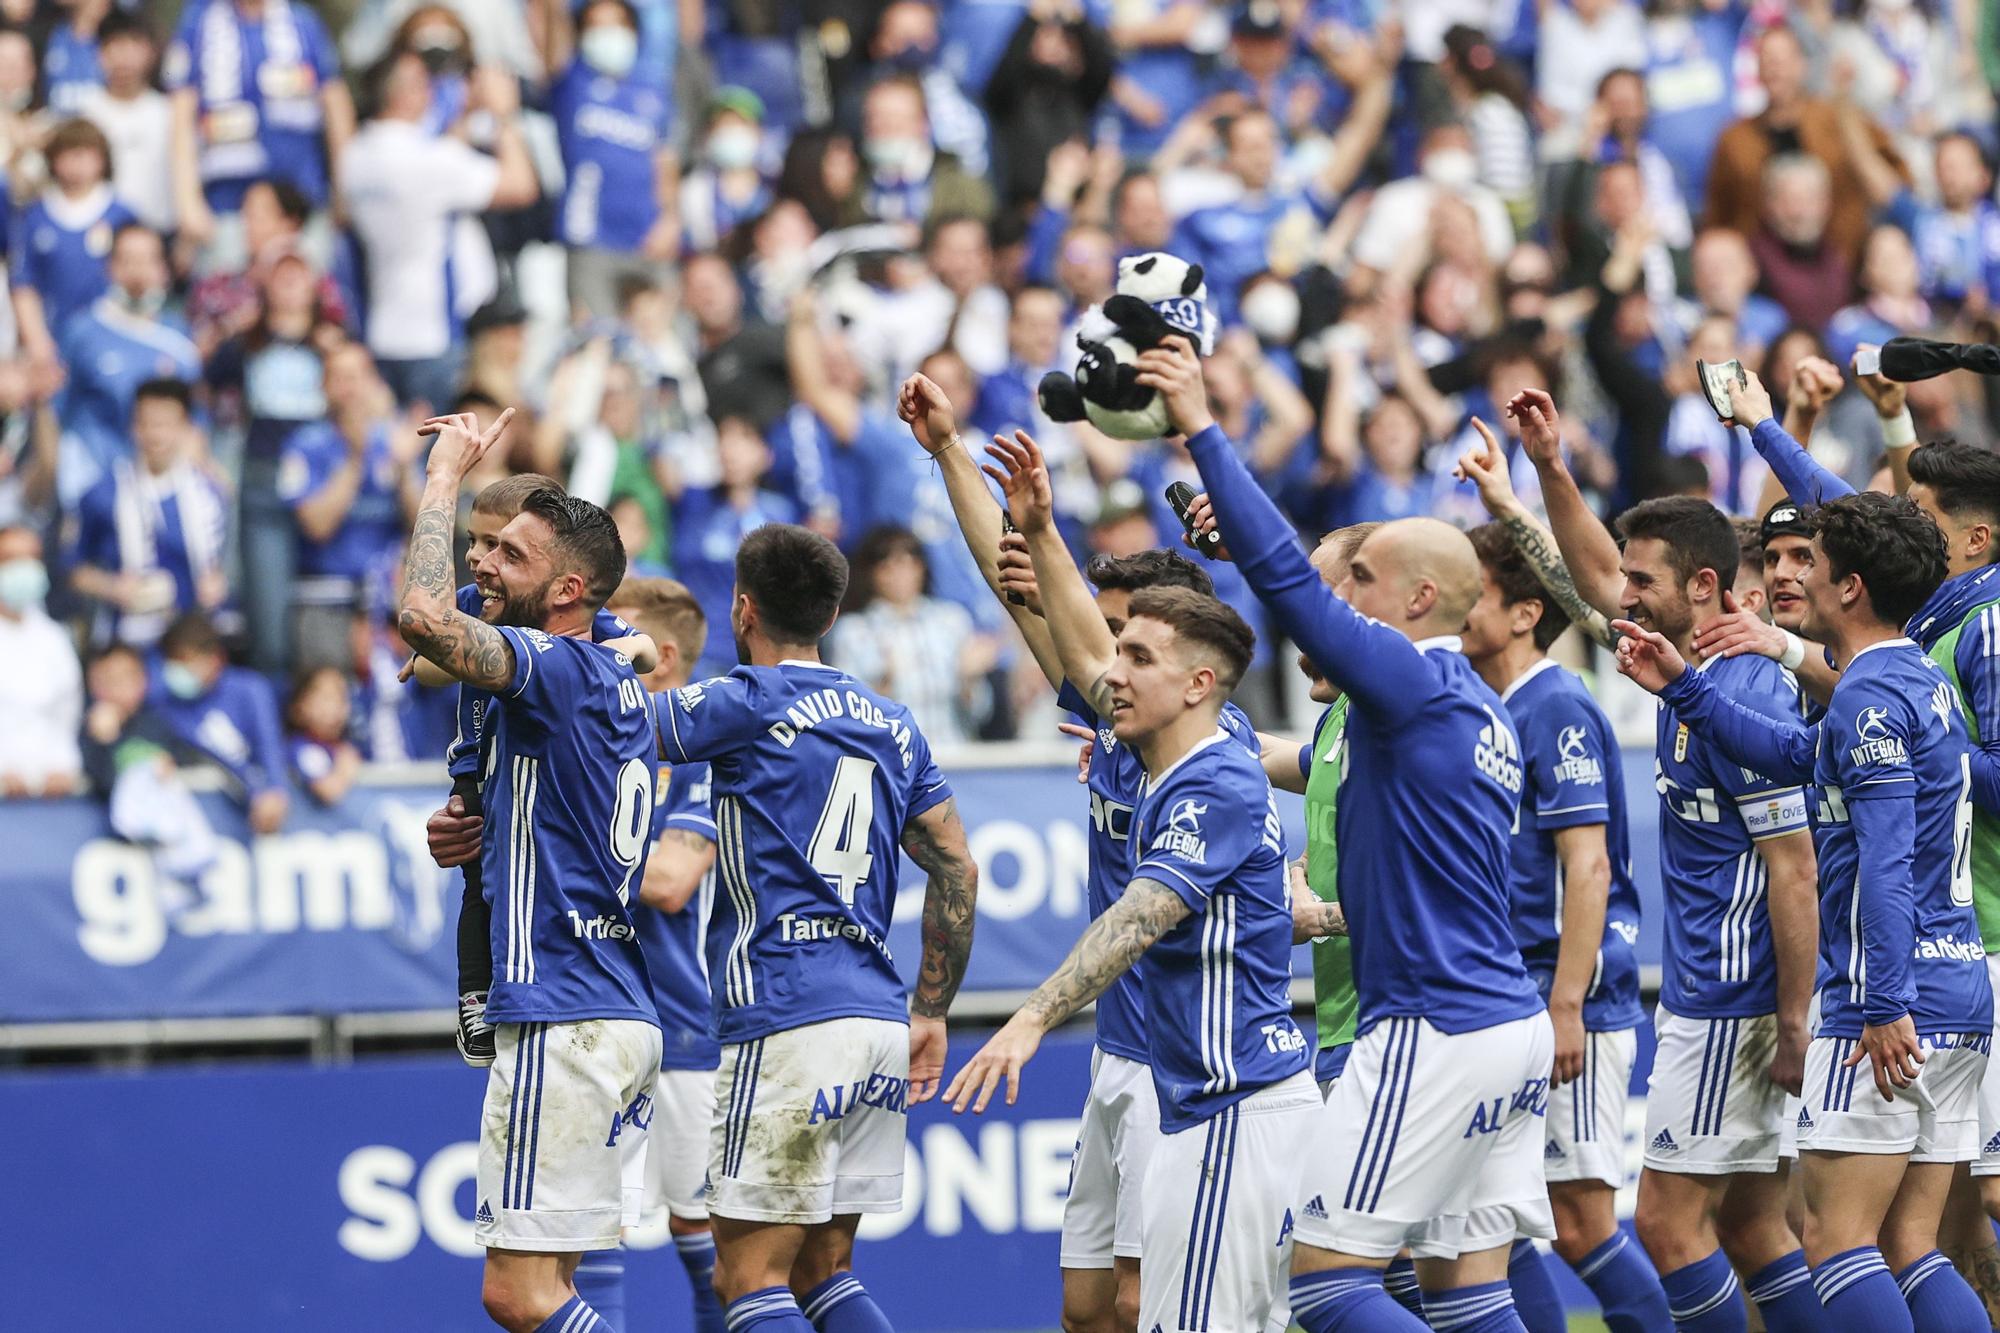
point(665, 607)
point(880, 543)
point(795, 577)
point(294, 203)
point(172, 390)
point(118, 23)
point(1517, 582)
point(505, 497)
point(1963, 477)
point(1696, 534)
point(75, 134)
point(1203, 619)
point(1894, 546)
point(1148, 569)
point(586, 540)
point(190, 632)
point(1749, 540)
point(125, 229)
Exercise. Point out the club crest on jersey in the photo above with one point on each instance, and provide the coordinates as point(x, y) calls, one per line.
point(1681, 743)
point(1877, 746)
point(1574, 762)
point(1497, 754)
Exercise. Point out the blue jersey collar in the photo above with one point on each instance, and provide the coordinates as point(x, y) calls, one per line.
point(1954, 598)
point(1451, 643)
point(1546, 664)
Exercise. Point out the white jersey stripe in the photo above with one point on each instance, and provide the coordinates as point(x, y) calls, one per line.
point(534, 782)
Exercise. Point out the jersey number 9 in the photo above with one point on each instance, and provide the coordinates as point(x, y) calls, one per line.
point(632, 820)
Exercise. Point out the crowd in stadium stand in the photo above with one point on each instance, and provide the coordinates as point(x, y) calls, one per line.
point(697, 244)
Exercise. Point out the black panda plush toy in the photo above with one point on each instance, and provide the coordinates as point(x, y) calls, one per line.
point(1157, 295)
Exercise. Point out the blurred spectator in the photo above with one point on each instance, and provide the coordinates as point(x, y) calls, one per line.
point(41, 685)
point(821, 170)
point(228, 301)
point(1400, 214)
point(268, 382)
point(742, 363)
point(352, 483)
point(1724, 274)
point(1691, 58)
point(324, 761)
point(1793, 123)
point(1578, 44)
point(914, 648)
point(63, 239)
point(617, 457)
point(257, 92)
point(228, 714)
point(122, 339)
point(949, 297)
point(906, 177)
point(69, 44)
point(710, 522)
point(135, 117)
point(905, 44)
point(1157, 80)
point(1804, 270)
point(617, 214)
point(152, 533)
point(402, 186)
point(1045, 91)
point(128, 755)
point(1958, 237)
point(1372, 465)
point(727, 187)
point(1492, 100)
point(1889, 303)
point(1619, 129)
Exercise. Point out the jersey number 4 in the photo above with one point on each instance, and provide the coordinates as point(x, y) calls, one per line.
point(839, 849)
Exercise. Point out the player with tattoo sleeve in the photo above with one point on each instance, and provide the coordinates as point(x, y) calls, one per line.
point(1207, 906)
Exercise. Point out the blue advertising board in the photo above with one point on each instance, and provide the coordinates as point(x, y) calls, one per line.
point(324, 1199)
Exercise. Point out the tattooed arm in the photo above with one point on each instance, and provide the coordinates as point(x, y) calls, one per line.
point(467, 648)
point(1148, 910)
point(674, 871)
point(935, 840)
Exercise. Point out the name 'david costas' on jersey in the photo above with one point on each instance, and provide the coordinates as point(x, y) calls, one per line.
point(809, 710)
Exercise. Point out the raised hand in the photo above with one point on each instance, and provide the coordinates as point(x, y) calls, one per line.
point(1646, 658)
point(1024, 478)
point(1816, 382)
point(927, 412)
point(1749, 402)
point(1486, 468)
point(1201, 514)
point(1737, 631)
point(1174, 371)
point(1888, 396)
point(1541, 426)
point(1089, 739)
point(459, 443)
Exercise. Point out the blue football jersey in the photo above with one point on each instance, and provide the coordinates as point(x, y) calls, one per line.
point(1115, 777)
point(815, 777)
point(1719, 961)
point(1218, 985)
point(569, 805)
point(1894, 773)
point(673, 940)
point(1574, 778)
point(462, 757)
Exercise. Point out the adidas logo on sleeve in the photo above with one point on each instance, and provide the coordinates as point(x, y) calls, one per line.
point(1664, 1142)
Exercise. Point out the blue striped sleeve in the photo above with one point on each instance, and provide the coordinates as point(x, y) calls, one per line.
point(1978, 663)
point(1807, 483)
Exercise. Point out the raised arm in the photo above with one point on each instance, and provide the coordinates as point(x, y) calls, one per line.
point(1805, 480)
point(1588, 550)
point(1779, 748)
point(1370, 661)
point(935, 840)
point(431, 623)
point(1487, 469)
point(1084, 645)
point(1899, 430)
point(929, 414)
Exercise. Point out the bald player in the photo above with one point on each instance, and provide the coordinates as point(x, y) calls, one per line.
point(1433, 1137)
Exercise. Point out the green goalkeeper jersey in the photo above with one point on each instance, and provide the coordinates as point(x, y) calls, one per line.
point(1333, 963)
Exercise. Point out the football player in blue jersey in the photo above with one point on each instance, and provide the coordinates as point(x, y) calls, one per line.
point(1904, 991)
point(680, 885)
point(815, 780)
point(1435, 1135)
point(1736, 866)
point(455, 830)
point(1576, 918)
point(570, 744)
point(1102, 1216)
point(1207, 905)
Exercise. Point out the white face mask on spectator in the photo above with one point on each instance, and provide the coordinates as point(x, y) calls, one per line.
point(894, 155)
point(1272, 312)
point(23, 584)
point(1450, 168)
point(733, 147)
point(610, 49)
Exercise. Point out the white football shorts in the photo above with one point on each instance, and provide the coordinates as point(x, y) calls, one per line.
point(1935, 1119)
point(810, 1123)
point(562, 1134)
point(1434, 1141)
point(677, 1156)
point(1217, 1199)
point(1114, 1142)
point(1710, 1109)
point(1587, 1115)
